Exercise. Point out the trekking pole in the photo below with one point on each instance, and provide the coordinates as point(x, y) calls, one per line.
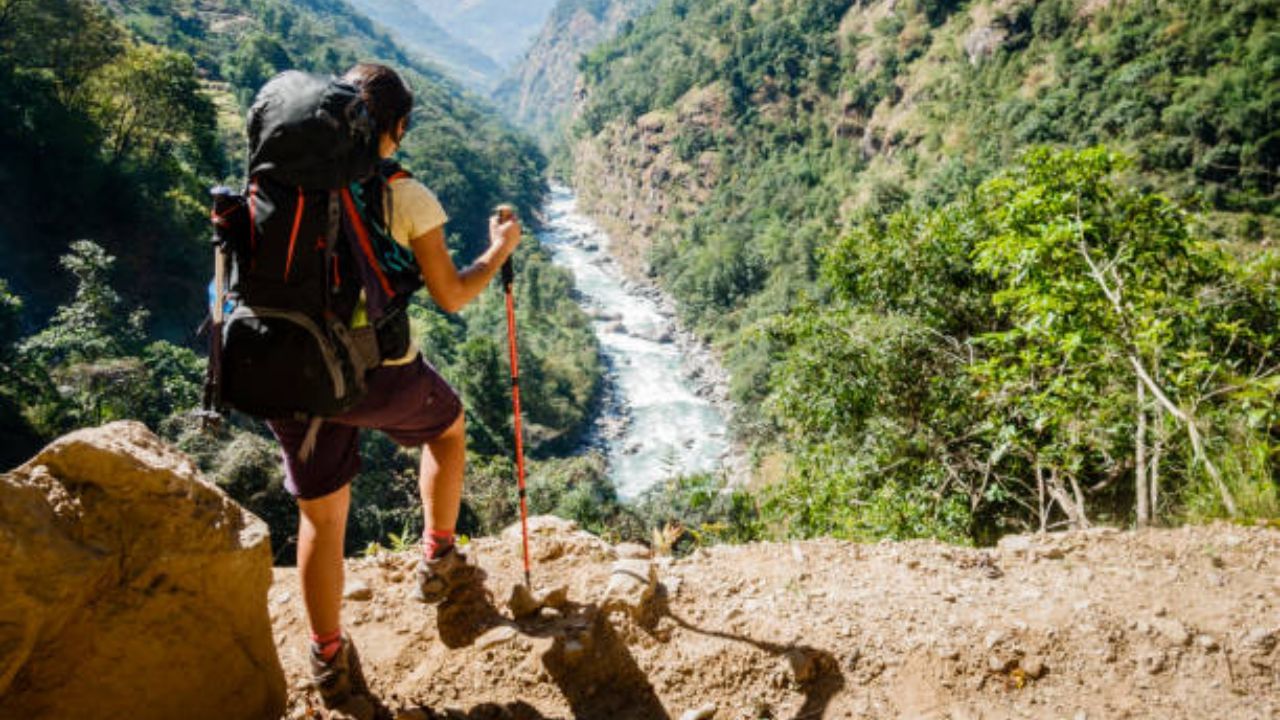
point(506, 213)
point(211, 406)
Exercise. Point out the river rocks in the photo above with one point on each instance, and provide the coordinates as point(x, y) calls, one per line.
point(131, 587)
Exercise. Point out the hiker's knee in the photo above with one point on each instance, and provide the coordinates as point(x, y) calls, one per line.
point(327, 512)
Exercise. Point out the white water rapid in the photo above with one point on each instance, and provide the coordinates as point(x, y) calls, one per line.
point(658, 420)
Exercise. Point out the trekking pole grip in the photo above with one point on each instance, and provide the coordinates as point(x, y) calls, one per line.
point(505, 213)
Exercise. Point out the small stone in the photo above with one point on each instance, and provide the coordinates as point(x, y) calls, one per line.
point(524, 604)
point(1206, 643)
point(1173, 631)
point(556, 597)
point(632, 550)
point(949, 654)
point(1033, 667)
point(358, 589)
point(705, 712)
point(632, 583)
point(1001, 663)
point(804, 665)
point(521, 602)
point(993, 638)
point(496, 636)
point(1260, 640)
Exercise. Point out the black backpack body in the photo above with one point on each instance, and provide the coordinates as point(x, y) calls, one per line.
point(287, 350)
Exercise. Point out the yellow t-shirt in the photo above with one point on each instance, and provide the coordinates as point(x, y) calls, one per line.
point(414, 211)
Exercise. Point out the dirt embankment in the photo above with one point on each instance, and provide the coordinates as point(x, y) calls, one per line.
point(1178, 623)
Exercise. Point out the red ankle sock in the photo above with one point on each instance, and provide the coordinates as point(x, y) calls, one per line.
point(437, 543)
point(326, 646)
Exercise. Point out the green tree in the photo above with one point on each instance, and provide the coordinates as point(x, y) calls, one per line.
point(148, 103)
point(95, 323)
point(1108, 291)
point(484, 383)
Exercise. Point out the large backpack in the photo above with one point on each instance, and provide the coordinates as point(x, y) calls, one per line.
point(303, 241)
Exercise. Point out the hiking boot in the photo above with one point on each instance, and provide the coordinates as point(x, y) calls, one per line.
point(441, 577)
point(341, 684)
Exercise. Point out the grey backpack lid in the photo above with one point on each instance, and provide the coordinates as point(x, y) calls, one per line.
point(311, 131)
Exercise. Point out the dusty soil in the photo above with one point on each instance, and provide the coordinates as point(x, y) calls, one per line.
point(1180, 623)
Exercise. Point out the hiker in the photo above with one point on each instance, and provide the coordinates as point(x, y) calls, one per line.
point(407, 399)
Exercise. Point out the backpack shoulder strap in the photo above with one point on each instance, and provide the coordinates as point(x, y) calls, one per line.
point(390, 170)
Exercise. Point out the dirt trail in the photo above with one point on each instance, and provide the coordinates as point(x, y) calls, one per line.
point(1178, 623)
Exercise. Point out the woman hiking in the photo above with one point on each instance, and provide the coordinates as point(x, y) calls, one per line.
point(407, 399)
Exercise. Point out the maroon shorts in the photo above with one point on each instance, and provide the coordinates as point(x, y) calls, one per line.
point(411, 403)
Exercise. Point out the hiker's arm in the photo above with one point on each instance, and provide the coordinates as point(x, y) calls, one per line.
point(453, 289)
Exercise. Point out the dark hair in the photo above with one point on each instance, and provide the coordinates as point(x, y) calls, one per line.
point(385, 94)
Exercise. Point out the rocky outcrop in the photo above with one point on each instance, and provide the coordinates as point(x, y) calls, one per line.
point(130, 587)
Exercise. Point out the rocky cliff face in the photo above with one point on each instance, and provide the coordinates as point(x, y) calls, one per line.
point(540, 90)
point(130, 587)
point(634, 179)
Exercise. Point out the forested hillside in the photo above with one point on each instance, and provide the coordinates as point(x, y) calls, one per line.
point(934, 327)
point(501, 29)
point(125, 114)
point(539, 92)
point(416, 30)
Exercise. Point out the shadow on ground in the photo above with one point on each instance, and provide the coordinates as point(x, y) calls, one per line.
point(595, 670)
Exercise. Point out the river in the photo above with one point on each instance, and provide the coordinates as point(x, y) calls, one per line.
point(658, 420)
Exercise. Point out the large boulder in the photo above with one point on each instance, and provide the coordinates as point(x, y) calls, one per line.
point(130, 587)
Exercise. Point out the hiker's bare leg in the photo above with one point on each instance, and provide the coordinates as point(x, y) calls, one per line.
point(440, 479)
point(322, 529)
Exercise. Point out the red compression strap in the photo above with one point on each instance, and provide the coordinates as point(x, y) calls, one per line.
point(362, 236)
point(293, 236)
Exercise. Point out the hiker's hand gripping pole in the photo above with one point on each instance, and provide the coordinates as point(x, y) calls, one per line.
point(506, 213)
